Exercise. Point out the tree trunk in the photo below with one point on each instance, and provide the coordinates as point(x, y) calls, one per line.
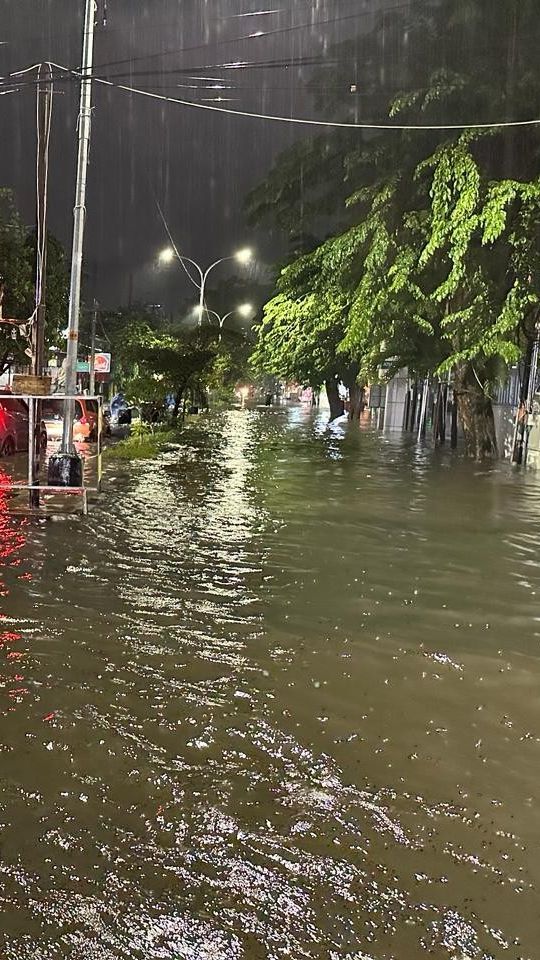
point(357, 401)
point(177, 402)
point(334, 399)
point(476, 415)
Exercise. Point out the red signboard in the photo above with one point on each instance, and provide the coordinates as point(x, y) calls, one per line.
point(102, 363)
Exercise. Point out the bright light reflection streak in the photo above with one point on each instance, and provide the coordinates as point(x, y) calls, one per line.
point(232, 503)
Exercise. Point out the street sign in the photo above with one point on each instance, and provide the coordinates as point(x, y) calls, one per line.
point(83, 366)
point(102, 363)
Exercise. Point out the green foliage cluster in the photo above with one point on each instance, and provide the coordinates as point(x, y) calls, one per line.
point(142, 444)
point(152, 361)
point(434, 259)
point(155, 357)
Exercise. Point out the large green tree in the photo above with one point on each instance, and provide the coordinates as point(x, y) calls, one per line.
point(154, 359)
point(433, 261)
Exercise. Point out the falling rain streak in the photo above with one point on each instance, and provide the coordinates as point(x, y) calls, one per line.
point(201, 167)
point(277, 697)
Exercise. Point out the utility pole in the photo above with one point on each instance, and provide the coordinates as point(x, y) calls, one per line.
point(44, 107)
point(66, 468)
point(44, 95)
point(93, 350)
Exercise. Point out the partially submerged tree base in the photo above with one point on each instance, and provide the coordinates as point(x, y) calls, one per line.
point(357, 400)
point(337, 407)
point(476, 416)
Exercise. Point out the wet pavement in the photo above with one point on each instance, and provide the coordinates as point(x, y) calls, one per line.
point(276, 697)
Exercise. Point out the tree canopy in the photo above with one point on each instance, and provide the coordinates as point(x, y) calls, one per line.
point(433, 261)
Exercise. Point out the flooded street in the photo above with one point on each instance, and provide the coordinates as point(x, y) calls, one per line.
point(276, 697)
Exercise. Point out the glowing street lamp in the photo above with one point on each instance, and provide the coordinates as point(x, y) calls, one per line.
point(245, 310)
point(243, 256)
point(167, 256)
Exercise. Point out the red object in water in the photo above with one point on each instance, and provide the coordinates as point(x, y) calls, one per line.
point(50, 716)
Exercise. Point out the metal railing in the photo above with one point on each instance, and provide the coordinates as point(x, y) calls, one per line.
point(36, 489)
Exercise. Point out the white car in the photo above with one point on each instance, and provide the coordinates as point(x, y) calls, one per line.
point(85, 424)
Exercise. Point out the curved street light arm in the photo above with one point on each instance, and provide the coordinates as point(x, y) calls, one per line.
point(220, 319)
point(204, 278)
point(215, 264)
point(183, 260)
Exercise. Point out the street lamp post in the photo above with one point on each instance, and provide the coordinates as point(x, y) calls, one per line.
point(171, 253)
point(245, 310)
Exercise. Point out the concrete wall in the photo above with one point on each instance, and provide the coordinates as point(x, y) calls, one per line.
point(533, 451)
point(504, 411)
point(505, 416)
point(396, 399)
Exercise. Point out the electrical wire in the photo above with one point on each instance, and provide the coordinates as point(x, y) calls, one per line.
point(25, 327)
point(158, 25)
point(304, 121)
point(187, 72)
point(173, 245)
point(259, 34)
point(105, 336)
point(301, 121)
point(20, 73)
point(282, 64)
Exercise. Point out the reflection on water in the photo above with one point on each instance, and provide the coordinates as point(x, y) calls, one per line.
point(275, 698)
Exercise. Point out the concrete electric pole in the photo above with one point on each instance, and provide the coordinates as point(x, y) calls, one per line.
point(65, 469)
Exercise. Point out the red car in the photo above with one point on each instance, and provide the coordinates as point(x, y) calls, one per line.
point(14, 425)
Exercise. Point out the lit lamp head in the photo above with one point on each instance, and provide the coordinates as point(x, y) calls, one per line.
point(167, 256)
point(246, 310)
point(244, 256)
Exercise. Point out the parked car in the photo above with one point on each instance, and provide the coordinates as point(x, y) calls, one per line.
point(14, 425)
point(85, 424)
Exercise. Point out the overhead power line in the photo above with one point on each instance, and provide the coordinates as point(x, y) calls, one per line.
point(257, 35)
point(315, 60)
point(305, 121)
point(301, 121)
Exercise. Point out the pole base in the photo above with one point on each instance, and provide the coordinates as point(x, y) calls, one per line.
point(65, 470)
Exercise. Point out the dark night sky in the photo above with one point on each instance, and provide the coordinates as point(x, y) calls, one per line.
point(199, 164)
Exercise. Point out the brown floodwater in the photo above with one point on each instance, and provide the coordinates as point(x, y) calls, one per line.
point(276, 697)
